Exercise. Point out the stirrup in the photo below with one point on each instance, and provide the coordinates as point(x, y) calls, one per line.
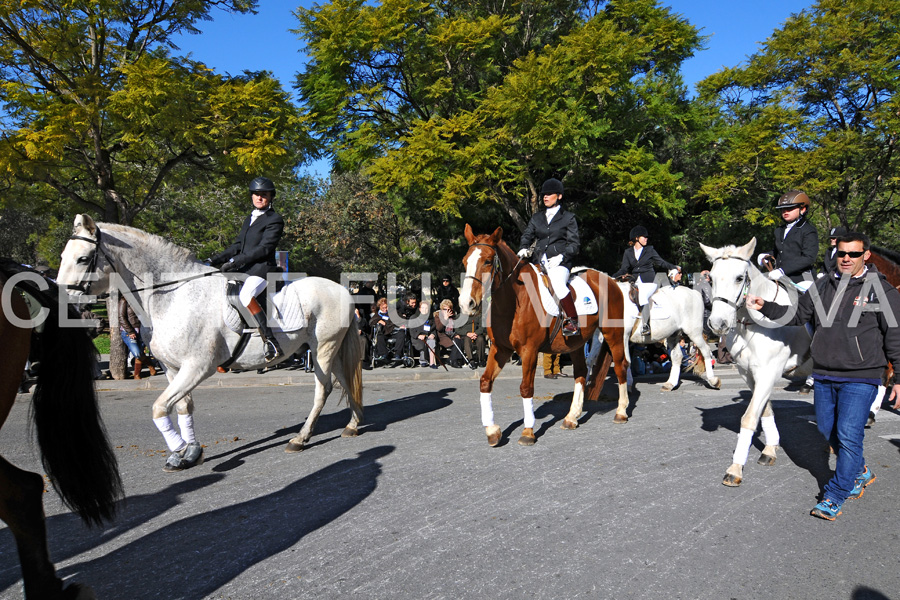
point(569, 328)
point(272, 349)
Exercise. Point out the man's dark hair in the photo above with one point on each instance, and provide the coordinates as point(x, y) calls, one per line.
point(855, 236)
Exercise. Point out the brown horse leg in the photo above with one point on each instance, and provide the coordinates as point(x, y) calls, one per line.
point(497, 357)
point(579, 369)
point(615, 338)
point(21, 496)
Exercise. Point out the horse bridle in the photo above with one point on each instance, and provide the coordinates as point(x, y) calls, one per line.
point(496, 267)
point(84, 285)
point(741, 299)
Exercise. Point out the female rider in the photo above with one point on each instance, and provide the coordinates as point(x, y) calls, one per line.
point(637, 263)
point(556, 233)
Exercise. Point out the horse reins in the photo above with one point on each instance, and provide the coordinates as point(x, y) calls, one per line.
point(496, 267)
point(85, 285)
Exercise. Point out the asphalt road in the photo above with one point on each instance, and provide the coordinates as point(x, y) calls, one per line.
point(419, 507)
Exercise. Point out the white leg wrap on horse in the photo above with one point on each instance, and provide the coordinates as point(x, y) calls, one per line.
point(186, 425)
point(487, 411)
point(173, 440)
point(528, 407)
point(876, 406)
point(745, 437)
point(769, 429)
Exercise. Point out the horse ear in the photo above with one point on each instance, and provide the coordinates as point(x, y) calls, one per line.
point(84, 222)
point(711, 253)
point(497, 235)
point(470, 237)
point(746, 251)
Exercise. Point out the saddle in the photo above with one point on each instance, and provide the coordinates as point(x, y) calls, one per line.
point(286, 313)
point(582, 294)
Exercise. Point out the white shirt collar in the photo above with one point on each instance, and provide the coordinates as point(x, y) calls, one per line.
point(551, 212)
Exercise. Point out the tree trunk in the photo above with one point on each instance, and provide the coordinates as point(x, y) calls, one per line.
point(118, 352)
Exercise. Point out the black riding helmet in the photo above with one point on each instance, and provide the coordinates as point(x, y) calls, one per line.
point(261, 184)
point(552, 186)
point(638, 231)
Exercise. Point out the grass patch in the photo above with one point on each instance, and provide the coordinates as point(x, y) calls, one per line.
point(101, 342)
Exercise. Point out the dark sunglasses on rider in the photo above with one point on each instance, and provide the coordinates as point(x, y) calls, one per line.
point(843, 253)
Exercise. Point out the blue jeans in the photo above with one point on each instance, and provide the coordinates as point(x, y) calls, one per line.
point(135, 345)
point(842, 409)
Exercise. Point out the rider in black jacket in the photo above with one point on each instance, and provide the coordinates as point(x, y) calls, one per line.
point(556, 233)
point(796, 241)
point(253, 253)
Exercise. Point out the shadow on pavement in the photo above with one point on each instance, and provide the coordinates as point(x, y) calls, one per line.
point(195, 556)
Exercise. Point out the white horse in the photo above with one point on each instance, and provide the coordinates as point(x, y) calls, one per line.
point(188, 329)
point(673, 310)
point(763, 351)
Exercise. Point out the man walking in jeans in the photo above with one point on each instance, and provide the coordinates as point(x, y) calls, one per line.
point(855, 313)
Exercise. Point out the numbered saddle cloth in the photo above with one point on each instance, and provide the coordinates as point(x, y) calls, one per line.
point(285, 311)
point(582, 294)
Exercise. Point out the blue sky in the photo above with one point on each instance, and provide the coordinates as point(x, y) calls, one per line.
point(234, 43)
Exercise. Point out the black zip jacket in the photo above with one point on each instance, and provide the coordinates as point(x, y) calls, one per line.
point(860, 340)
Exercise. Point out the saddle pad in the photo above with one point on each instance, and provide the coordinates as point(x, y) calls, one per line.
point(585, 301)
point(287, 316)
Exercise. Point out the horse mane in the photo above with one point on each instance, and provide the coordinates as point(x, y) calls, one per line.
point(730, 251)
point(153, 243)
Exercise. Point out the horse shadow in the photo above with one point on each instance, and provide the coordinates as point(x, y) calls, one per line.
point(70, 537)
point(202, 556)
point(799, 437)
point(377, 418)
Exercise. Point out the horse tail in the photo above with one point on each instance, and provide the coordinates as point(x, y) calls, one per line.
point(351, 362)
point(75, 450)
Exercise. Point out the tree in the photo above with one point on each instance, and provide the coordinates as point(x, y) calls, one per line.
point(817, 109)
point(455, 105)
point(99, 116)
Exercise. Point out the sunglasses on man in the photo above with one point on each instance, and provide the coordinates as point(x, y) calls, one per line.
point(843, 253)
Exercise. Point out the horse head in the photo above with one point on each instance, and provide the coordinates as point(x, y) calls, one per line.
point(480, 262)
point(730, 274)
point(80, 271)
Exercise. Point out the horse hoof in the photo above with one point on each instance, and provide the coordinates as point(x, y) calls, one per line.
point(189, 456)
point(527, 438)
point(731, 480)
point(567, 424)
point(765, 460)
point(493, 435)
point(718, 384)
point(667, 387)
point(349, 432)
point(620, 419)
point(293, 447)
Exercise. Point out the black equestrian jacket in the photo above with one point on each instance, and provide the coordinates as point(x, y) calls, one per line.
point(255, 245)
point(559, 236)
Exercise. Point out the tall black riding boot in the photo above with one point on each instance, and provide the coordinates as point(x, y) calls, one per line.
point(570, 326)
point(270, 344)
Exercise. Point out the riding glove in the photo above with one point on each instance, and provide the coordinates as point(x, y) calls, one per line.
point(523, 253)
point(233, 265)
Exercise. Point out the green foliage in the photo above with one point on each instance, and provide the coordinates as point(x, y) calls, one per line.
point(816, 109)
point(100, 116)
point(451, 105)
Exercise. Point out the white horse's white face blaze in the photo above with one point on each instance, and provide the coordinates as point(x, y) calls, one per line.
point(467, 300)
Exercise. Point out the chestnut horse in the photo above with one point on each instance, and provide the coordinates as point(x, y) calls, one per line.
point(516, 323)
point(74, 448)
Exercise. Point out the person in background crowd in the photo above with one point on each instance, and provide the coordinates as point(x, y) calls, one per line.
point(130, 331)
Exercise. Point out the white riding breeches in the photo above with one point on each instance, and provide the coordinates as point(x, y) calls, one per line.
point(645, 290)
point(251, 288)
point(557, 274)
